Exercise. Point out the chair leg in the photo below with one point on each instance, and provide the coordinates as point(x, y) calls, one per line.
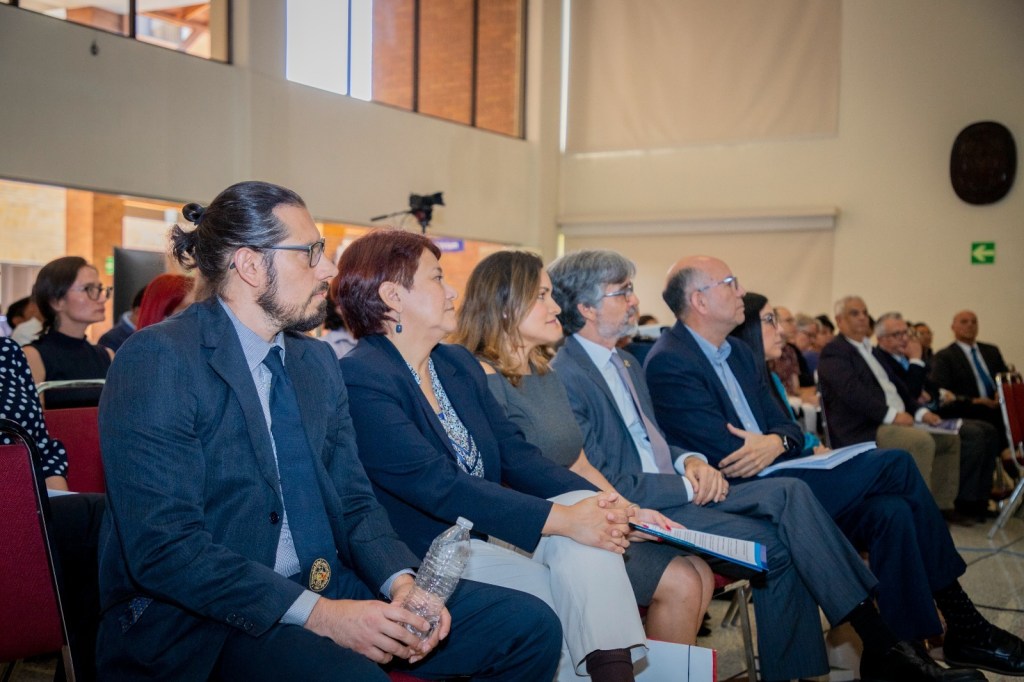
point(731, 613)
point(1009, 507)
point(69, 666)
point(742, 599)
point(8, 672)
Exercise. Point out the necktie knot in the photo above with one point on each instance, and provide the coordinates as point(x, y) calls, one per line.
point(273, 361)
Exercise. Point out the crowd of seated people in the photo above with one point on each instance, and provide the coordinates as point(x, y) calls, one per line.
point(268, 505)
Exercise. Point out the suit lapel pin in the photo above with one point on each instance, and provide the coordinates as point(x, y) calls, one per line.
point(319, 575)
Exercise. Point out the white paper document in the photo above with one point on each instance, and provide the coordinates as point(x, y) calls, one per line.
point(827, 460)
point(742, 552)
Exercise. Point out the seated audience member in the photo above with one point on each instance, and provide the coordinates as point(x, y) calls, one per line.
point(791, 366)
point(509, 321)
point(25, 319)
point(826, 332)
point(119, 333)
point(17, 311)
point(980, 442)
point(806, 337)
point(242, 538)
point(436, 445)
point(70, 297)
point(166, 295)
point(809, 561)
point(861, 404)
point(968, 369)
point(646, 319)
point(882, 504)
point(335, 333)
point(758, 312)
point(924, 336)
point(74, 519)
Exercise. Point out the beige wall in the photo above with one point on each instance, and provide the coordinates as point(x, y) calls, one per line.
point(913, 74)
point(149, 122)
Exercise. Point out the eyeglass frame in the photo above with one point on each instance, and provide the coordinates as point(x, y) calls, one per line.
point(770, 318)
point(625, 292)
point(102, 292)
point(732, 280)
point(322, 242)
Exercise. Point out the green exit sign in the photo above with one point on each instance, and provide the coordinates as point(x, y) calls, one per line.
point(983, 253)
point(108, 265)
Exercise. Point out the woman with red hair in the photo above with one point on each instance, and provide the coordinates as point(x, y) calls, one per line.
point(165, 295)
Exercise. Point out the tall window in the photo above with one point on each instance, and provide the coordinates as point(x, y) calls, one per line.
point(460, 60)
point(196, 28)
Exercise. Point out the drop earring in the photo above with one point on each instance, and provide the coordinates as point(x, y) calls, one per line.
point(398, 324)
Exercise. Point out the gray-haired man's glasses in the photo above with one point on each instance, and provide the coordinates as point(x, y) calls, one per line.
point(624, 291)
point(731, 280)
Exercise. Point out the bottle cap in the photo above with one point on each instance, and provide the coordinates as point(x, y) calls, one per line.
point(464, 522)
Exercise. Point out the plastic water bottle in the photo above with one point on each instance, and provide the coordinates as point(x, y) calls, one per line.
point(439, 575)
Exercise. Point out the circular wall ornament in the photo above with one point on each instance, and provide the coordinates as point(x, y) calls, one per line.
point(983, 163)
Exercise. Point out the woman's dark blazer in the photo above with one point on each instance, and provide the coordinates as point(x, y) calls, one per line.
point(412, 465)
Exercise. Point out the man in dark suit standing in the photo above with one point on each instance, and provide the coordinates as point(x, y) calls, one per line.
point(242, 539)
point(808, 559)
point(968, 369)
point(980, 443)
point(713, 398)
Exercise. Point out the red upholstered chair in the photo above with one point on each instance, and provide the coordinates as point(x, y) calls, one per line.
point(397, 676)
point(32, 622)
point(1011, 402)
point(78, 429)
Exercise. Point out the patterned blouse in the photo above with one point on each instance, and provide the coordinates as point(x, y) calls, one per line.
point(19, 402)
point(466, 453)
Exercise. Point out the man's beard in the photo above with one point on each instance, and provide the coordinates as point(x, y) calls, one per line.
point(291, 318)
point(627, 327)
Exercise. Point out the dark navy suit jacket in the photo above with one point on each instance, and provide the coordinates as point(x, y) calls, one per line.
point(854, 402)
point(909, 382)
point(952, 370)
point(193, 499)
point(412, 464)
point(693, 407)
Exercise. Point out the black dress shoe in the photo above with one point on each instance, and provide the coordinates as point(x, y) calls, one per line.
point(999, 652)
point(905, 663)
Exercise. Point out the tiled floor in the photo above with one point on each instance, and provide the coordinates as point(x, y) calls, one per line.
point(994, 580)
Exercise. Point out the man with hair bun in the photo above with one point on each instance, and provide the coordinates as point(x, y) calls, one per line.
point(242, 540)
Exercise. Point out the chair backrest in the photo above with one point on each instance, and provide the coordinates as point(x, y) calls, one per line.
point(68, 393)
point(32, 620)
point(78, 428)
point(1011, 402)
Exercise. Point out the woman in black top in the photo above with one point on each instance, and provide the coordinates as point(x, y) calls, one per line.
point(70, 298)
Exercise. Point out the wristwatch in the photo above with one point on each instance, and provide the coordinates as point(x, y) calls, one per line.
point(787, 442)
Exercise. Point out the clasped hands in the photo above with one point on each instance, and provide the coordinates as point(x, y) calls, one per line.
point(377, 629)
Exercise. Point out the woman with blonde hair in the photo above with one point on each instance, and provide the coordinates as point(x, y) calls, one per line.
point(509, 321)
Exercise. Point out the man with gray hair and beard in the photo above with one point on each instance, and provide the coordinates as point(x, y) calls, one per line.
point(810, 563)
